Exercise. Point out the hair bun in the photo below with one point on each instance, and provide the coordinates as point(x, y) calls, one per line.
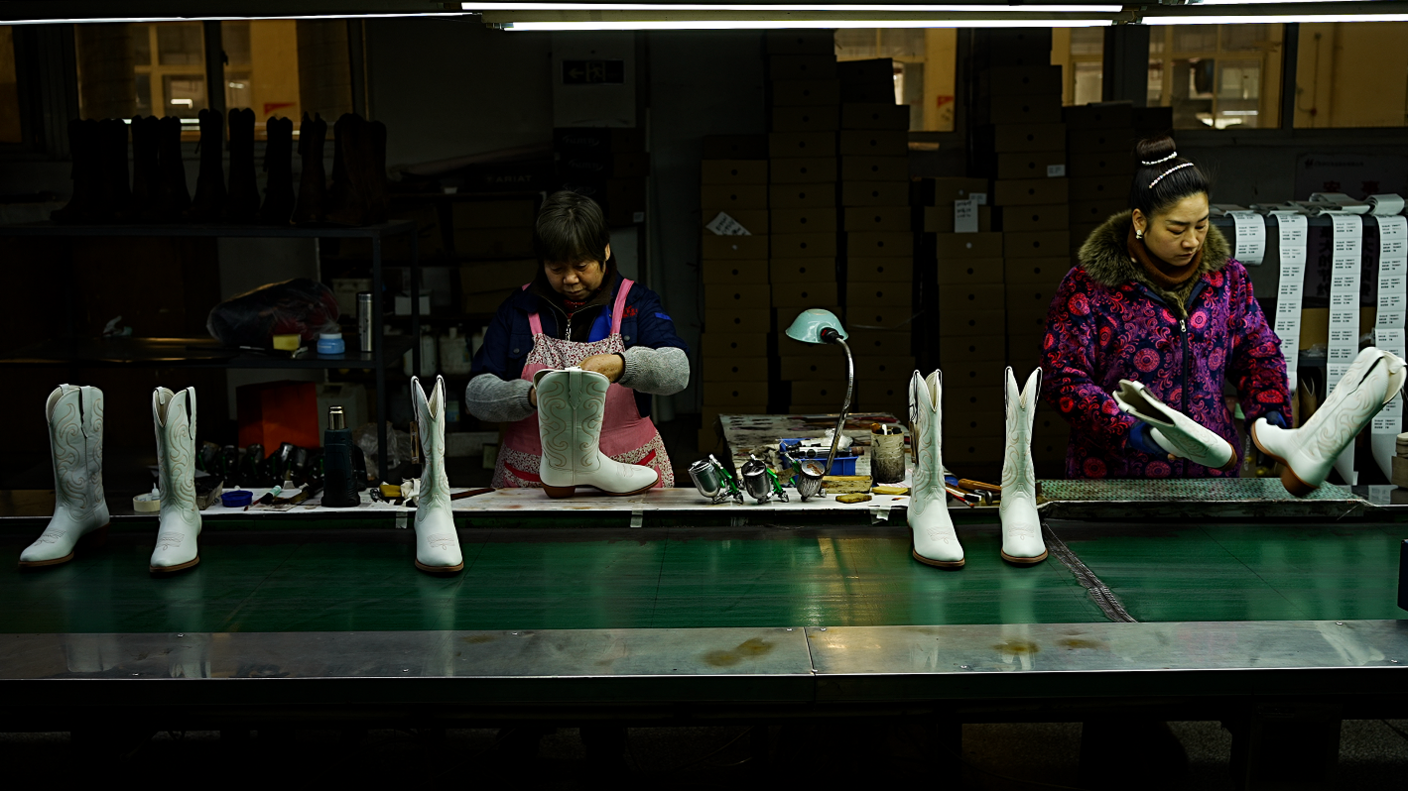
point(1153, 149)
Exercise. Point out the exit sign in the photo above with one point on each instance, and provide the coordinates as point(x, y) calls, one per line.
point(593, 72)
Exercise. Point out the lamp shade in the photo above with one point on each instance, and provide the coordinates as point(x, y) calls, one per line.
point(808, 325)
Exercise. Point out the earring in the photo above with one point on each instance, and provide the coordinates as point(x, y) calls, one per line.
point(1138, 234)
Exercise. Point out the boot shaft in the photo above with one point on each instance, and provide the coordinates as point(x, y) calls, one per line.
point(174, 419)
point(1017, 467)
point(574, 404)
point(74, 416)
point(1367, 386)
point(430, 417)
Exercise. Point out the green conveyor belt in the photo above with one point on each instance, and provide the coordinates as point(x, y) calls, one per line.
point(359, 580)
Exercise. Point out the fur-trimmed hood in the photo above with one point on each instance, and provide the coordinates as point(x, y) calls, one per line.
point(1105, 258)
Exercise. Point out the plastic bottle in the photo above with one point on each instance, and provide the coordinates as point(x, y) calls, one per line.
point(339, 488)
point(428, 363)
point(454, 353)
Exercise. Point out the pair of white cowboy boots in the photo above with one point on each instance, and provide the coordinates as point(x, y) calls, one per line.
point(1306, 453)
point(75, 416)
point(935, 541)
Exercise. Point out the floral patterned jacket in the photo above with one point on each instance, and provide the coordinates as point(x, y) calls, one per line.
point(1109, 322)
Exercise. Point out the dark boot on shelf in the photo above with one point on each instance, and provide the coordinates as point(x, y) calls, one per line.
point(83, 143)
point(175, 195)
point(349, 194)
point(311, 207)
point(117, 188)
point(209, 202)
point(146, 169)
point(242, 204)
point(381, 191)
point(278, 168)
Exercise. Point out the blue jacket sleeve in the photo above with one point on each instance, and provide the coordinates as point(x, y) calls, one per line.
point(654, 327)
point(493, 356)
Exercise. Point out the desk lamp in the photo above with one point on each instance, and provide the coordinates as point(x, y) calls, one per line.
point(815, 325)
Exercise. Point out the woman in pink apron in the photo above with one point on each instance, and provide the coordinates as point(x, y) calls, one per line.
point(577, 313)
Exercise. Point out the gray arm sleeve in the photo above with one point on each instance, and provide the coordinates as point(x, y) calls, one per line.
point(655, 371)
point(492, 399)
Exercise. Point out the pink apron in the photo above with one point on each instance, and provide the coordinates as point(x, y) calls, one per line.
point(625, 435)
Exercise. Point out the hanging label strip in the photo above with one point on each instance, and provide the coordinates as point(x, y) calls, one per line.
point(1389, 330)
point(1251, 237)
point(1291, 245)
point(1344, 314)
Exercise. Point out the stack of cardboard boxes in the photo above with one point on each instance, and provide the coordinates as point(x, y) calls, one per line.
point(1101, 159)
point(497, 238)
point(608, 165)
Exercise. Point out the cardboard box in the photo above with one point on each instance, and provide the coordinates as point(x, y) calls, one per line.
point(519, 213)
point(1025, 349)
point(788, 348)
point(881, 343)
point(879, 218)
point(882, 318)
point(734, 394)
point(880, 269)
point(1100, 115)
point(1101, 163)
point(733, 197)
point(1100, 188)
point(817, 220)
point(802, 270)
point(1152, 120)
point(870, 70)
point(482, 302)
point(804, 245)
point(863, 244)
point(733, 344)
point(1043, 271)
point(966, 423)
point(735, 147)
point(1053, 217)
point(871, 368)
point(961, 350)
point(801, 42)
point(1107, 140)
point(784, 145)
point(621, 166)
point(710, 414)
point(972, 322)
point(1031, 109)
point(875, 116)
point(802, 67)
point(496, 275)
point(875, 193)
point(1035, 244)
point(1031, 192)
point(494, 242)
point(944, 191)
point(733, 172)
point(734, 248)
point(271, 413)
point(735, 369)
point(804, 170)
point(1094, 212)
point(1027, 137)
point(1031, 165)
point(805, 93)
point(827, 393)
point(806, 119)
point(735, 273)
point(598, 141)
point(970, 297)
point(751, 295)
point(802, 196)
point(816, 366)
point(861, 294)
point(967, 246)
point(870, 169)
point(737, 320)
point(802, 295)
point(939, 219)
point(968, 272)
point(1020, 81)
point(960, 399)
point(874, 143)
point(756, 221)
point(965, 451)
point(1028, 323)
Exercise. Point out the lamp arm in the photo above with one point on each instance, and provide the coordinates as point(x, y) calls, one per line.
point(845, 407)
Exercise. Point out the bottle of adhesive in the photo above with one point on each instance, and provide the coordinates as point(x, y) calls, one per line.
point(339, 489)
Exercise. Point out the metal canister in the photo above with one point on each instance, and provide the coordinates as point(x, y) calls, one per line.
point(755, 480)
point(706, 478)
point(365, 337)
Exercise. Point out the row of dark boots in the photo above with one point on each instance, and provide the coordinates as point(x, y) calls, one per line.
point(157, 192)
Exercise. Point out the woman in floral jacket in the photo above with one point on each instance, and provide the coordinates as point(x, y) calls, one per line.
point(1156, 298)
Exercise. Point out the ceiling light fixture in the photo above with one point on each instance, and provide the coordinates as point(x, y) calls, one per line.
point(823, 9)
point(221, 18)
point(833, 24)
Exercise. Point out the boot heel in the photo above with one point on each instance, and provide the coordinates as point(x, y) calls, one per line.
point(559, 492)
point(94, 540)
point(1293, 484)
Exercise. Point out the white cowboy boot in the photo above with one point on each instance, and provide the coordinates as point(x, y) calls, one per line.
point(1307, 453)
point(174, 414)
point(935, 542)
point(1021, 527)
point(1174, 431)
point(571, 406)
point(75, 417)
point(437, 543)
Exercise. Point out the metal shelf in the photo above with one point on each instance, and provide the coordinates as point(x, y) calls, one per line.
point(186, 353)
point(211, 230)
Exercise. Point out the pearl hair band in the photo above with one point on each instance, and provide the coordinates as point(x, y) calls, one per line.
point(1170, 170)
point(1174, 155)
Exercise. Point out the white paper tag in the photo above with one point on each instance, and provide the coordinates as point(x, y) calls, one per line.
point(724, 225)
point(1056, 171)
point(1291, 230)
point(1251, 237)
point(965, 216)
point(1385, 205)
point(1389, 329)
point(1344, 313)
point(980, 198)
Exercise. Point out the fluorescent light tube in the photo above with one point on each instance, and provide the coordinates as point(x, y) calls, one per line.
point(758, 7)
point(832, 24)
point(1271, 19)
point(199, 18)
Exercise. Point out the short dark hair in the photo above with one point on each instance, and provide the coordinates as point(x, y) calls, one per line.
point(1161, 177)
point(570, 229)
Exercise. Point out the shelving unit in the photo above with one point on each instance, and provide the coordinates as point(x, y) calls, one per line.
point(75, 352)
